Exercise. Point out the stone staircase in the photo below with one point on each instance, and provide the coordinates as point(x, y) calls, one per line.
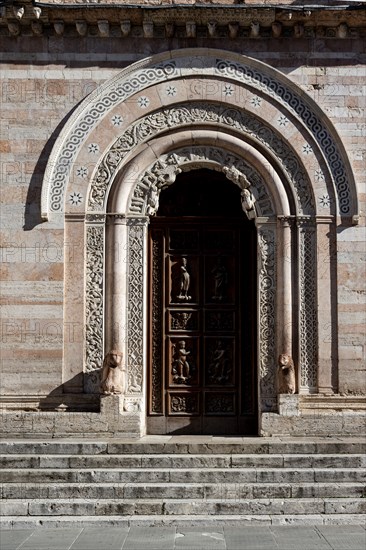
point(170, 480)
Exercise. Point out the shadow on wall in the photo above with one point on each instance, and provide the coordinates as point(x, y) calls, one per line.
point(70, 397)
point(32, 216)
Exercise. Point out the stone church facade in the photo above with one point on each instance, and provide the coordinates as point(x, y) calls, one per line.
point(184, 184)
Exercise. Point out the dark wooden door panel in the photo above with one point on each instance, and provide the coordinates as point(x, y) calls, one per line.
point(199, 329)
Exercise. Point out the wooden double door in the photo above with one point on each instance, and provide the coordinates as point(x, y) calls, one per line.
point(202, 351)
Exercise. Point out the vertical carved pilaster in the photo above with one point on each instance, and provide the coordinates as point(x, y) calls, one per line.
point(308, 332)
point(135, 313)
point(94, 301)
point(267, 316)
point(157, 328)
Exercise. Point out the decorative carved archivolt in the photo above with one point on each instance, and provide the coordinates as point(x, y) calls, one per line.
point(163, 173)
point(252, 76)
point(59, 168)
point(193, 114)
point(294, 103)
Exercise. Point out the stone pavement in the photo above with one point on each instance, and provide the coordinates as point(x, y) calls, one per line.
point(322, 537)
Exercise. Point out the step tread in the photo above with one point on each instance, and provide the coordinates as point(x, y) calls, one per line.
point(204, 520)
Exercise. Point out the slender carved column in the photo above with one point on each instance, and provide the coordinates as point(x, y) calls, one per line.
point(267, 351)
point(308, 329)
point(136, 292)
point(284, 292)
point(116, 293)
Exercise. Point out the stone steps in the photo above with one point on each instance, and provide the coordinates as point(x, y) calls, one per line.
point(217, 446)
point(181, 521)
point(158, 483)
point(100, 507)
point(193, 475)
point(178, 490)
point(183, 461)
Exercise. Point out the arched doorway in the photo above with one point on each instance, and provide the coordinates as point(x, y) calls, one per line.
point(202, 310)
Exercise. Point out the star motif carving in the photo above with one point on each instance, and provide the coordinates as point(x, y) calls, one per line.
point(143, 102)
point(75, 198)
point(93, 148)
point(117, 120)
point(171, 91)
point(82, 172)
point(256, 101)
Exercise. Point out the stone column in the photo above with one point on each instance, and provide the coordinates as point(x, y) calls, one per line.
point(284, 286)
point(116, 289)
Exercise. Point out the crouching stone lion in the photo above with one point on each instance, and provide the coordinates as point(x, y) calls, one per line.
point(112, 382)
point(286, 378)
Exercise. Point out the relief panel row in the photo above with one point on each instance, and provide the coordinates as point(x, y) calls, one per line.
point(215, 367)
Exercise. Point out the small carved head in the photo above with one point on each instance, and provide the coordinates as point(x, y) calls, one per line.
point(113, 359)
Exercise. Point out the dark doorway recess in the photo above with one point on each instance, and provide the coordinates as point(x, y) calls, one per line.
point(202, 310)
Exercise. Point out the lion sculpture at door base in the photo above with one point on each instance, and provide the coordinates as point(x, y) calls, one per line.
point(286, 378)
point(112, 381)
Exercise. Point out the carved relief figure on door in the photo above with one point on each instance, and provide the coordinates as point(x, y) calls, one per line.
point(220, 276)
point(181, 369)
point(220, 366)
point(184, 281)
